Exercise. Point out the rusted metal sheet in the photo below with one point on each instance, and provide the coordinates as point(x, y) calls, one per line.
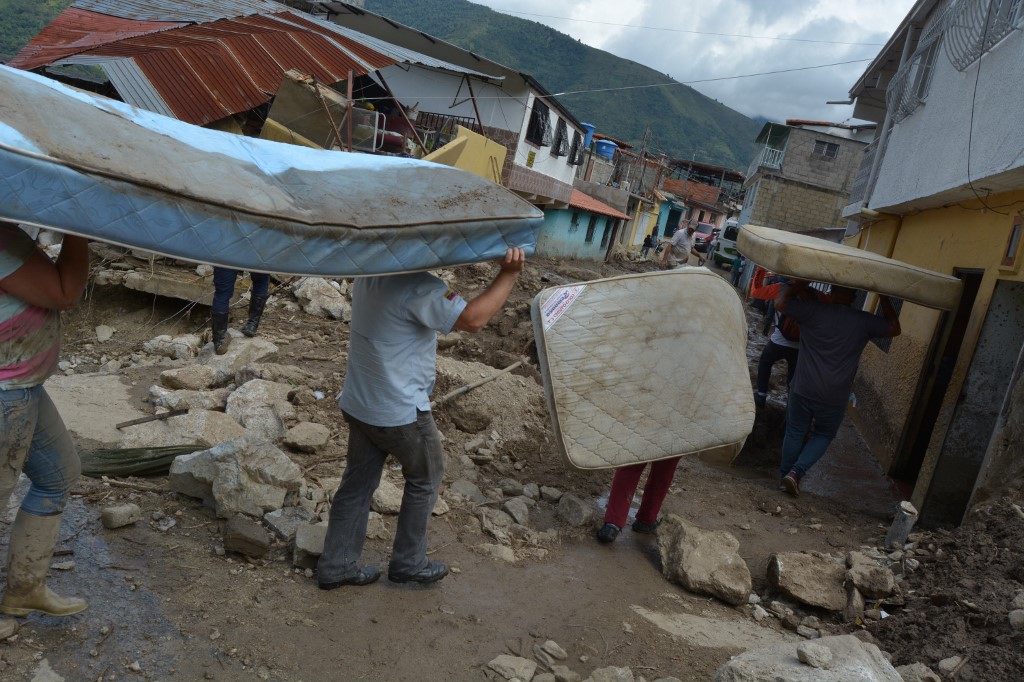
point(188, 11)
point(76, 31)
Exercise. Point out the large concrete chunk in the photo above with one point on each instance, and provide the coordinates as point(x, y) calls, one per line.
point(241, 352)
point(188, 400)
point(813, 578)
point(247, 476)
point(191, 377)
point(852, 659)
point(201, 427)
point(703, 561)
point(873, 580)
point(262, 407)
point(323, 298)
point(184, 347)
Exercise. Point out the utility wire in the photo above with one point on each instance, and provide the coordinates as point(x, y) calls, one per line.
point(683, 30)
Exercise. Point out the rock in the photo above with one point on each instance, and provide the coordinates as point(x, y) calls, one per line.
point(703, 561)
point(513, 667)
point(44, 673)
point(307, 437)
point(285, 522)
point(309, 544)
point(271, 371)
point(545, 677)
point(510, 487)
point(184, 399)
point(468, 416)
point(104, 333)
point(518, 510)
point(262, 407)
point(440, 508)
point(948, 665)
point(806, 632)
point(1017, 619)
point(612, 674)
point(120, 515)
point(562, 673)
point(759, 613)
point(241, 353)
point(468, 491)
point(531, 491)
point(1018, 602)
point(498, 552)
point(873, 581)
point(245, 537)
point(248, 476)
point(814, 655)
point(854, 605)
point(387, 498)
point(191, 377)
point(574, 511)
point(495, 523)
point(813, 578)
point(322, 298)
point(554, 650)
point(851, 660)
point(812, 622)
point(184, 347)
point(549, 494)
point(917, 672)
point(376, 529)
point(204, 428)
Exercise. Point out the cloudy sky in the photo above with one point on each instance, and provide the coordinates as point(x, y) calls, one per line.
point(676, 38)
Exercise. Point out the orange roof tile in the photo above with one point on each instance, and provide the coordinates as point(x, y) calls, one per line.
point(589, 203)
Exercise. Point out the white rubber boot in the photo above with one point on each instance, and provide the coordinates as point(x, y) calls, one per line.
point(28, 558)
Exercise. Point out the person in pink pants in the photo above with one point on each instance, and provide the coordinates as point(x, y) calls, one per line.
point(624, 486)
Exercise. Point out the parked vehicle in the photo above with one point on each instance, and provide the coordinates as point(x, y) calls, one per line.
point(725, 250)
point(703, 235)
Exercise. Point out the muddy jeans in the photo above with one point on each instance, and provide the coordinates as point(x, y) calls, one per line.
point(417, 447)
point(33, 439)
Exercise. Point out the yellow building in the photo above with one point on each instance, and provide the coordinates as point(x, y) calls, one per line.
point(942, 187)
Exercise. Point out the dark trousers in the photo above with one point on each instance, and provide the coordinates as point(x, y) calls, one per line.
point(224, 287)
point(771, 354)
point(417, 447)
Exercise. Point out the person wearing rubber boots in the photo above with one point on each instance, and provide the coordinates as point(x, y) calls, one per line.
point(223, 290)
point(33, 439)
point(386, 402)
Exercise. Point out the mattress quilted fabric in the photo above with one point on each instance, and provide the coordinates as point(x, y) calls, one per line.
point(805, 257)
point(84, 164)
point(644, 367)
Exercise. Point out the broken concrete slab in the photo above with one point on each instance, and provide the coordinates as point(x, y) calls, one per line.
point(286, 521)
point(241, 352)
point(204, 428)
point(852, 659)
point(216, 399)
point(247, 475)
point(812, 578)
point(323, 298)
point(872, 579)
point(192, 377)
point(262, 407)
point(703, 561)
point(309, 544)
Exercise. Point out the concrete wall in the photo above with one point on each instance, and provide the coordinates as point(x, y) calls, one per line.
point(965, 236)
point(927, 152)
point(557, 167)
point(793, 205)
point(559, 237)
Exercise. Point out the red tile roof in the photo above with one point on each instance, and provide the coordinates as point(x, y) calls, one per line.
point(588, 203)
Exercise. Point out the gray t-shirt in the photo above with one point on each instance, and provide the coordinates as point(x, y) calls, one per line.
point(832, 337)
point(680, 245)
point(393, 345)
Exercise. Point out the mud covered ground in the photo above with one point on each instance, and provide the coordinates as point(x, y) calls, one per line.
point(166, 604)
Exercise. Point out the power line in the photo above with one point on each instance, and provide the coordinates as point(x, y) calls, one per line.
point(710, 80)
point(683, 30)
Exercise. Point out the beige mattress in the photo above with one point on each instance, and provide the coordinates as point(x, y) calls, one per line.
point(804, 257)
point(644, 367)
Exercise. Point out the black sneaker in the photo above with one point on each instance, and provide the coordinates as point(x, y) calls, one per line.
point(608, 533)
point(646, 528)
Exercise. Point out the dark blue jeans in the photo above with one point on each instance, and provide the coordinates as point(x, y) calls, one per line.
point(224, 287)
point(771, 354)
point(797, 455)
point(417, 447)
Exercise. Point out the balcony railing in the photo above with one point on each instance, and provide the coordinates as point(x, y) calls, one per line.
point(768, 157)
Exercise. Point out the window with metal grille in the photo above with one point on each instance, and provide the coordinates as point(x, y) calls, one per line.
point(575, 223)
point(591, 228)
point(539, 130)
point(607, 232)
point(576, 151)
point(561, 144)
point(829, 150)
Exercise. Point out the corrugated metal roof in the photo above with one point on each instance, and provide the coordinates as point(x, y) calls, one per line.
point(202, 72)
point(76, 30)
point(188, 11)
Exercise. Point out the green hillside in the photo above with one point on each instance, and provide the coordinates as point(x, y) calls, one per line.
point(684, 123)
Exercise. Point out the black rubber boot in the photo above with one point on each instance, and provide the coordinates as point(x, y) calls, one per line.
point(221, 340)
point(256, 305)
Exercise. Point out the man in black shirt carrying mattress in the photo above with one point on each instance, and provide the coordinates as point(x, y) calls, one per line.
point(832, 337)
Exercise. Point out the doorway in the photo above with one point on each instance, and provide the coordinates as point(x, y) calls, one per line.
point(977, 408)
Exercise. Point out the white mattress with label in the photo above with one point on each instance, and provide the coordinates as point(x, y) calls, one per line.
point(805, 257)
point(644, 367)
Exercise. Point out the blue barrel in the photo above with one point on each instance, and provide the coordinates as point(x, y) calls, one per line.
point(590, 133)
point(606, 149)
